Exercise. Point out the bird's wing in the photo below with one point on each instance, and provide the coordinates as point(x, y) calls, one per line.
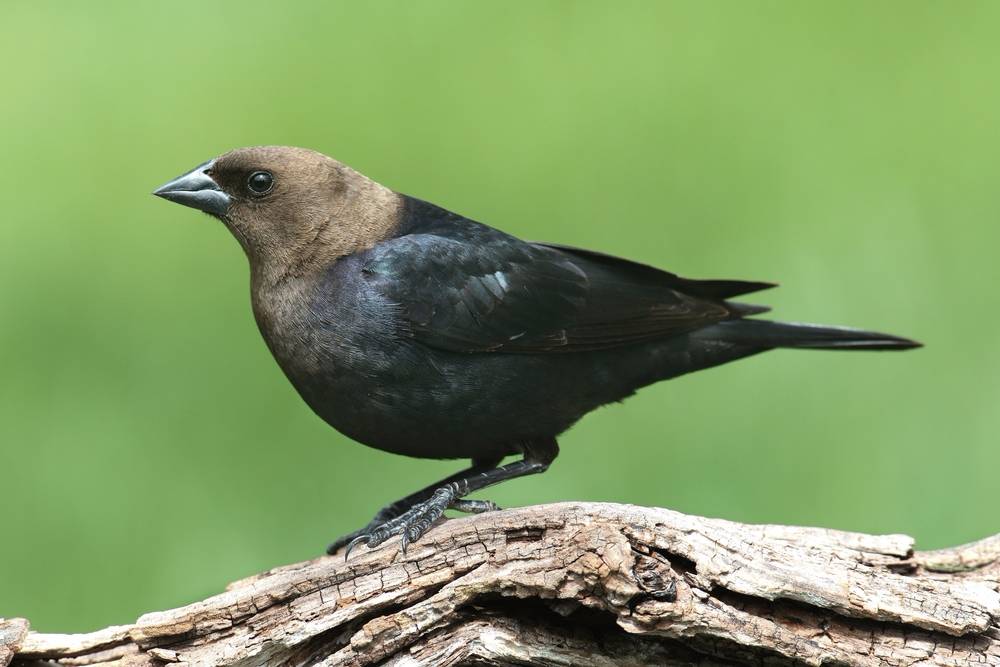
point(707, 289)
point(479, 290)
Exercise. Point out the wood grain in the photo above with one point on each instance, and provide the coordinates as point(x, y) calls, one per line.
point(580, 584)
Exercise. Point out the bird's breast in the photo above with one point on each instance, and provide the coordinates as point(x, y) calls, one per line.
point(326, 337)
point(291, 331)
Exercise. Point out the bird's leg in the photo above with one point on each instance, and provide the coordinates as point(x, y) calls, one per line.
point(473, 506)
point(393, 510)
point(417, 520)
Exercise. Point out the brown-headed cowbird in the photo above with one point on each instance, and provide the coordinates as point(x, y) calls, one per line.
point(417, 331)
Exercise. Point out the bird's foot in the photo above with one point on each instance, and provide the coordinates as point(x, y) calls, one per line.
point(412, 524)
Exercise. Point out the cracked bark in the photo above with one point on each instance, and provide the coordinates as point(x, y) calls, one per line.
point(579, 584)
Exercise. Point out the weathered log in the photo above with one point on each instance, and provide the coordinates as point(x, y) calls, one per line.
point(580, 584)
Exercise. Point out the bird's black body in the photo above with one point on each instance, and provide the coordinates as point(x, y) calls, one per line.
point(454, 340)
point(420, 332)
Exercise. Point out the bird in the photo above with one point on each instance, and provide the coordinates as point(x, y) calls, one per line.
point(417, 331)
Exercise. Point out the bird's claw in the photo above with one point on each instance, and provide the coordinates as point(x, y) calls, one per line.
point(350, 546)
point(412, 524)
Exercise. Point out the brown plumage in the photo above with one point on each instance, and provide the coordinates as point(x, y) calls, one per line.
point(318, 210)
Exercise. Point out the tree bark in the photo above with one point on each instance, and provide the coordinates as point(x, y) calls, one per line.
point(579, 584)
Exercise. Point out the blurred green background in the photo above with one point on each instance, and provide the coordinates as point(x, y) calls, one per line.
point(150, 449)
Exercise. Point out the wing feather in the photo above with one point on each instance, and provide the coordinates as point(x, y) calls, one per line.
point(476, 289)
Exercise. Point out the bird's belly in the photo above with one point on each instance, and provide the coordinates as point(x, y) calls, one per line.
point(384, 392)
point(438, 405)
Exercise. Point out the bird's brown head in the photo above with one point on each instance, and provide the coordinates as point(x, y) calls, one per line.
point(292, 209)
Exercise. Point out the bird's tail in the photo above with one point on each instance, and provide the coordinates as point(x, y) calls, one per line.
point(767, 334)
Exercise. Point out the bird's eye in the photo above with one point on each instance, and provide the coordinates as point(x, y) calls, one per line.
point(260, 182)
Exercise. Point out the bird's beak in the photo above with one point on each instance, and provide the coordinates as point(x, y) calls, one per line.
point(196, 189)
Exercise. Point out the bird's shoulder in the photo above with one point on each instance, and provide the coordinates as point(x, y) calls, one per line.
point(465, 286)
point(462, 250)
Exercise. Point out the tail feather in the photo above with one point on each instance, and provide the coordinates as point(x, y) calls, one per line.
point(746, 309)
point(769, 334)
point(720, 289)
